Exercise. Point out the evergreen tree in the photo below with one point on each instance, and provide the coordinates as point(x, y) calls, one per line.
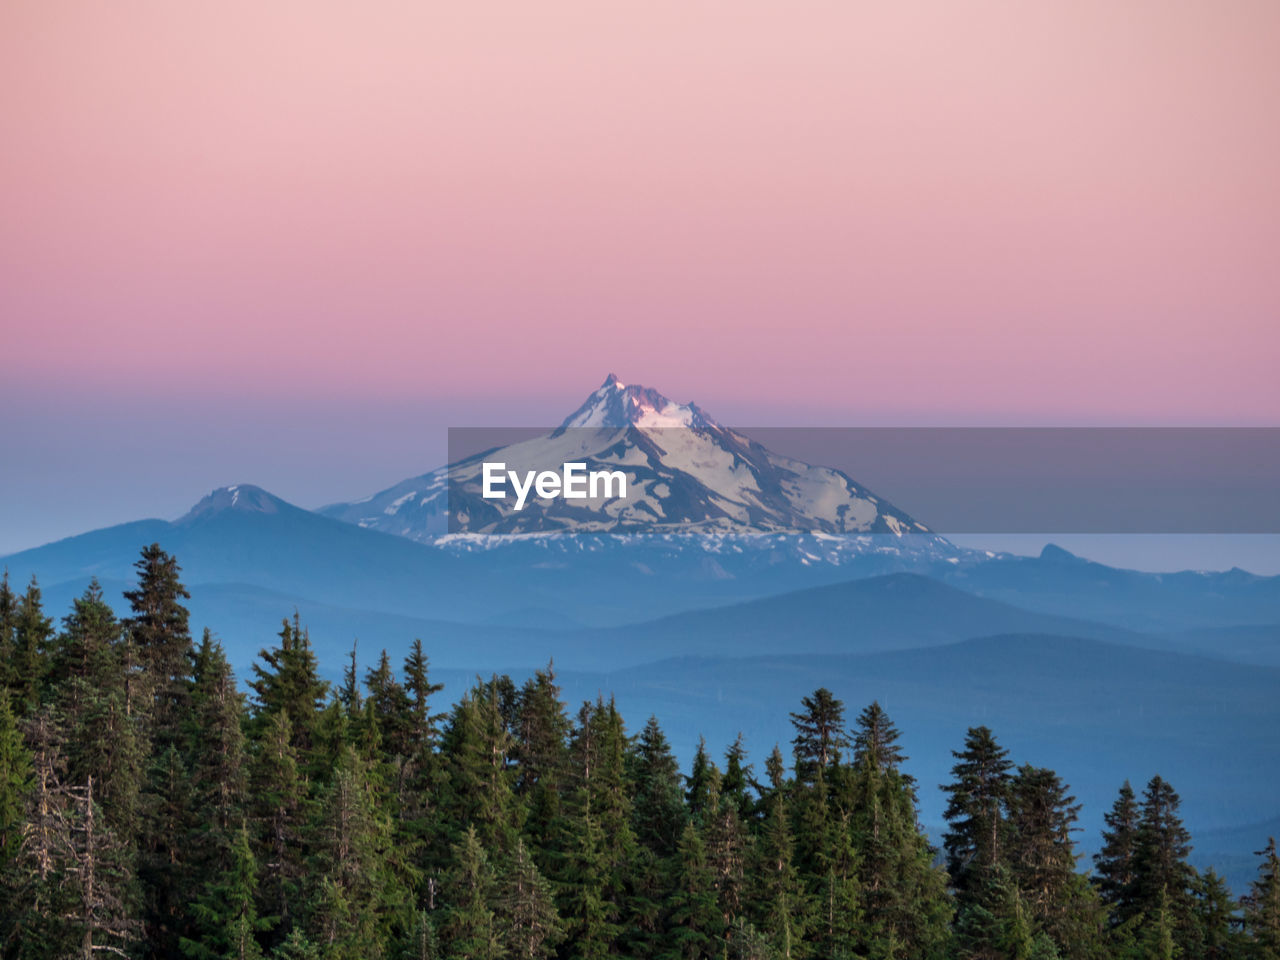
point(100, 879)
point(975, 807)
point(875, 740)
point(226, 914)
point(1156, 932)
point(361, 898)
point(726, 849)
point(1162, 876)
point(1113, 864)
point(1213, 916)
point(423, 774)
point(8, 613)
point(476, 747)
point(737, 780)
point(66, 890)
point(695, 925)
point(276, 818)
point(1040, 852)
point(1262, 904)
point(698, 784)
point(389, 707)
point(297, 946)
point(32, 633)
point(15, 781)
point(658, 818)
point(777, 897)
point(528, 925)
point(161, 639)
point(35, 892)
point(420, 689)
point(164, 868)
point(349, 693)
point(838, 896)
point(659, 802)
point(287, 680)
point(421, 942)
point(820, 733)
point(86, 658)
point(604, 777)
point(219, 778)
point(541, 754)
point(903, 894)
point(103, 740)
point(991, 923)
point(990, 918)
point(470, 930)
point(599, 844)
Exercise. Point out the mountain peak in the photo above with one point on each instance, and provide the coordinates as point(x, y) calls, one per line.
point(616, 405)
point(237, 498)
point(1057, 554)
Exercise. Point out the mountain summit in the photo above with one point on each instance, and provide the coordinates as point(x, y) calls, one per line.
point(686, 474)
point(615, 404)
point(238, 498)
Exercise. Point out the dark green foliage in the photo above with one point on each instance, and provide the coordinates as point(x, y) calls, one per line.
point(148, 810)
point(219, 778)
point(541, 755)
point(8, 610)
point(225, 913)
point(15, 781)
point(388, 708)
point(420, 942)
point(875, 740)
point(777, 898)
point(820, 733)
point(470, 929)
point(478, 746)
point(1114, 865)
point(975, 810)
point(695, 922)
point(297, 946)
point(287, 681)
point(726, 845)
point(360, 896)
point(420, 689)
point(991, 923)
point(275, 815)
point(1212, 910)
point(699, 781)
point(1042, 861)
point(1161, 846)
point(1162, 878)
point(528, 925)
point(87, 655)
point(659, 803)
point(165, 866)
point(32, 636)
point(736, 782)
point(161, 641)
point(903, 894)
point(1262, 904)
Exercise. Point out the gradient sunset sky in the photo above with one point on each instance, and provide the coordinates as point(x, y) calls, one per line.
point(289, 242)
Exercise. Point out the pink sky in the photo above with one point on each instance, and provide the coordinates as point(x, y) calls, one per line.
point(947, 211)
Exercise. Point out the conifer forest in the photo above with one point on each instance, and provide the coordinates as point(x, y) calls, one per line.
point(153, 805)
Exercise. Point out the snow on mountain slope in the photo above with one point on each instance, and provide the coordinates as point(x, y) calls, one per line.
point(686, 474)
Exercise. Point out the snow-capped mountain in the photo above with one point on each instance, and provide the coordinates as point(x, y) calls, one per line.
point(686, 474)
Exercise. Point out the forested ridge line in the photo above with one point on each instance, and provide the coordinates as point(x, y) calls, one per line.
point(151, 808)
